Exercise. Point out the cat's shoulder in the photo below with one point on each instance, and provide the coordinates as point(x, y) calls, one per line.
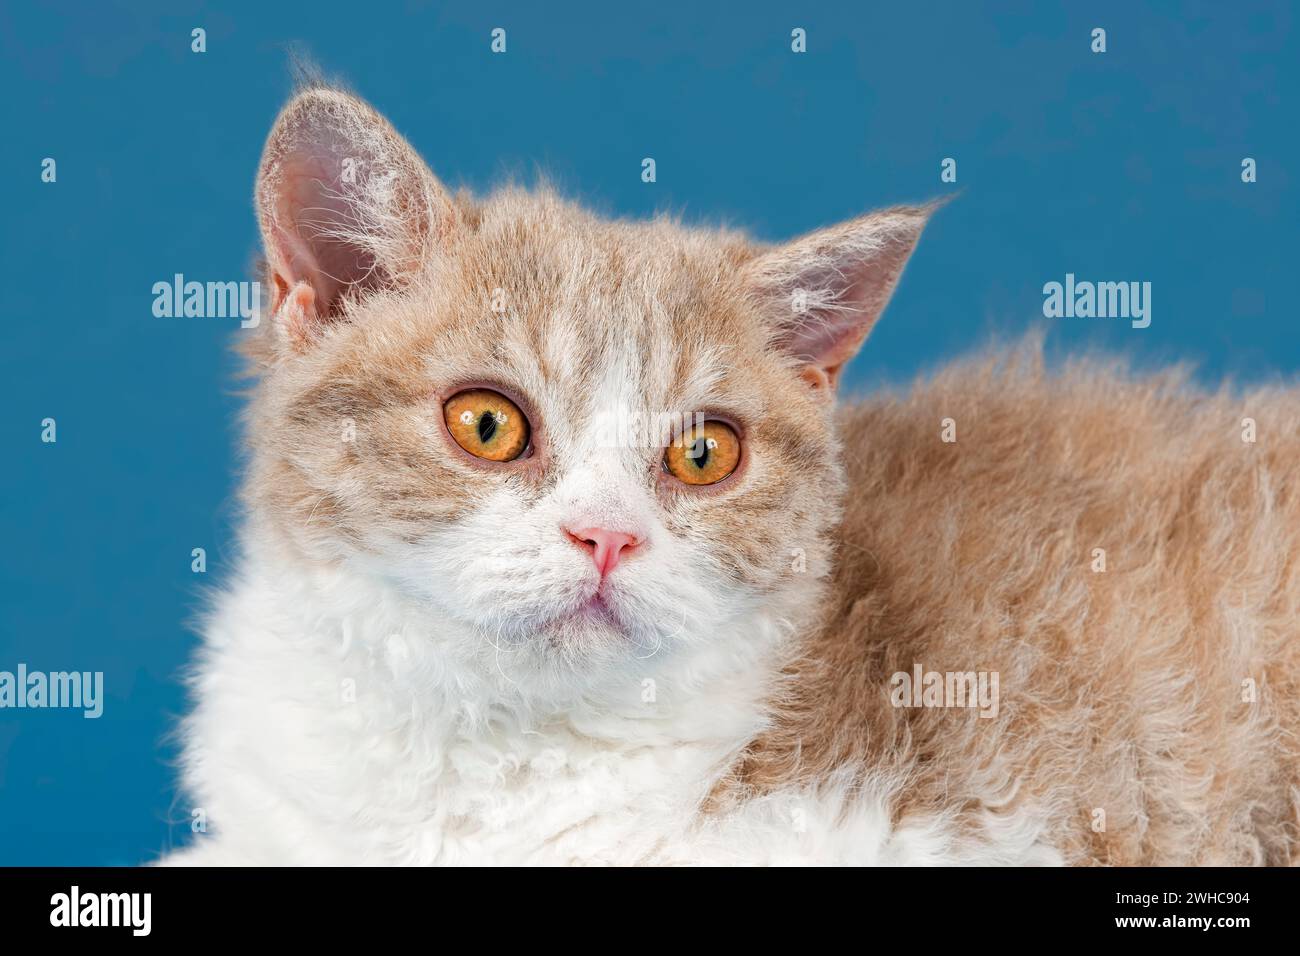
point(1005, 433)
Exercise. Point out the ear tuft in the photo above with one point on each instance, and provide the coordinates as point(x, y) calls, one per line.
point(345, 204)
point(827, 289)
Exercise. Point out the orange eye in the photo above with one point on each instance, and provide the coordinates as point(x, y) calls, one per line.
point(704, 455)
point(487, 424)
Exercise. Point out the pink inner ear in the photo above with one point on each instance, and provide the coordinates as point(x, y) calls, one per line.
point(345, 204)
point(296, 309)
point(312, 214)
point(845, 276)
point(830, 333)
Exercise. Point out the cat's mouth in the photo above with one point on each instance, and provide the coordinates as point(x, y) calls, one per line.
point(596, 608)
point(593, 611)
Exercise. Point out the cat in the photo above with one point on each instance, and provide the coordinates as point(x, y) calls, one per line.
point(478, 619)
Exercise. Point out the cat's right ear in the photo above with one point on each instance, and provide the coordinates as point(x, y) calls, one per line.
point(346, 208)
point(828, 288)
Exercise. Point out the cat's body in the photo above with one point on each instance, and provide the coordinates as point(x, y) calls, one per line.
point(1110, 547)
point(418, 662)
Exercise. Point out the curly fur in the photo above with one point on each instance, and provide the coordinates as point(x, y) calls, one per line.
point(397, 672)
point(1162, 691)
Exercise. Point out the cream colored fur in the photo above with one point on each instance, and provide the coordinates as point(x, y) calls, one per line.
point(396, 673)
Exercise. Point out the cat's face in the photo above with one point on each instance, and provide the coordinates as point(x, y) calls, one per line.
point(579, 444)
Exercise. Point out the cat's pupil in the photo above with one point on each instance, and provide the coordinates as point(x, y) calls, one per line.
point(487, 427)
point(699, 453)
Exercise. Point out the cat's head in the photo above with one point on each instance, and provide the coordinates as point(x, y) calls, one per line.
point(577, 443)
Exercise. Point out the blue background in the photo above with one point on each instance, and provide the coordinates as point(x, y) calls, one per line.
point(1118, 166)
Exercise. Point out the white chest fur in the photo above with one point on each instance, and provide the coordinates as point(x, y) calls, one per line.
point(335, 726)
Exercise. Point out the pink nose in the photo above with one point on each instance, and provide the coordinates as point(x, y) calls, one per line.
point(605, 546)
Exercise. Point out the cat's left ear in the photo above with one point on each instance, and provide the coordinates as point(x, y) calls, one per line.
point(347, 209)
point(826, 290)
